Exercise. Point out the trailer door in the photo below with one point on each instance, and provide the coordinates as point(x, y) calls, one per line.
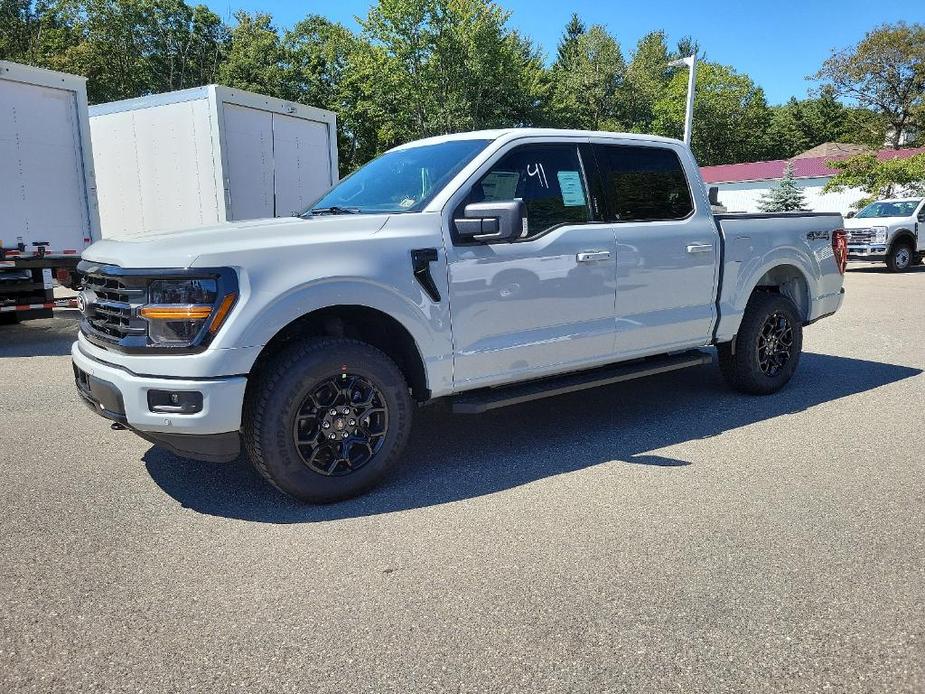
point(43, 195)
point(249, 156)
point(303, 162)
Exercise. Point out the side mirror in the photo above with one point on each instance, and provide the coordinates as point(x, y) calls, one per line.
point(492, 221)
point(849, 215)
point(713, 192)
point(922, 216)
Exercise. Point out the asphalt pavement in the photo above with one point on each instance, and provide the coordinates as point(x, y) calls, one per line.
point(664, 535)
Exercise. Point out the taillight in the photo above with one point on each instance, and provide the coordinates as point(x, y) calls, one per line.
point(840, 249)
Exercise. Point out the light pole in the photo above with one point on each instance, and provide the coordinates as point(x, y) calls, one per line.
point(691, 62)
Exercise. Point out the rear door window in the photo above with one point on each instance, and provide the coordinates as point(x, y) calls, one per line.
point(643, 184)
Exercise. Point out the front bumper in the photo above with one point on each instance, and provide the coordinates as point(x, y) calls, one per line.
point(118, 394)
point(867, 252)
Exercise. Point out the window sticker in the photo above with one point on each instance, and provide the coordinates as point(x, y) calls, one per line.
point(573, 195)
point(500, 185)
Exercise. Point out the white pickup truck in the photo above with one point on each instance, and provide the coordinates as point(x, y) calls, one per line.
point(488, 268)
point(888, 231)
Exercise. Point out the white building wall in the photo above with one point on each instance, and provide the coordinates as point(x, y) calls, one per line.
point(745, 196)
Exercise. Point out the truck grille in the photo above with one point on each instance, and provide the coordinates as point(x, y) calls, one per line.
point(110, 307)
point(860, 236)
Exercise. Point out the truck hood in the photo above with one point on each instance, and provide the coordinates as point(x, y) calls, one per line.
point(181, 248)
point(867, 222)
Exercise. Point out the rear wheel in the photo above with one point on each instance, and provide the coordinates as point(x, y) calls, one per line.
point(901, 257)
point(327, 419)
point(767, 349)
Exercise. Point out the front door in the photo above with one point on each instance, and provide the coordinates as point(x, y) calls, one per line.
point(543, 303)
point(667, 251)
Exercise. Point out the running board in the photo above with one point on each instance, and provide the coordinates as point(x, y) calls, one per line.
point(478, 401)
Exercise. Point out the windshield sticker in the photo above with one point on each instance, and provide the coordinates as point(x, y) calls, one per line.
point(407, 202)
point(572, 193)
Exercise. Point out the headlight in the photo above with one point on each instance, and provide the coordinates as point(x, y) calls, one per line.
point(185, 311)
point(879, 234)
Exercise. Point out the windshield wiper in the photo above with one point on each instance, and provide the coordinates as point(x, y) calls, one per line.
point(334, 209)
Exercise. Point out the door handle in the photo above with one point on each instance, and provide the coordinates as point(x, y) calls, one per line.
point(592, 256)
point(700, 248)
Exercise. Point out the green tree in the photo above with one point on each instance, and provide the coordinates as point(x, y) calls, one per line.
point(879, 178)
point(731, 114)
point(647, 76)
point(786, 196)
point(688, 46)
point(255, 57)
point(567, 49)
point(185, 45)
point(448, 65)
point(36, 32)
point(885, 71)
point(586, 84)
point(786, 134)
point(112, 50)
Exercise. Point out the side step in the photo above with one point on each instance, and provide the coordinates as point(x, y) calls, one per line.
point(478, 401)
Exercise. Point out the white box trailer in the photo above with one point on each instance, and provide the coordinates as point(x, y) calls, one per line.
point(208, 155)
point(48, 207)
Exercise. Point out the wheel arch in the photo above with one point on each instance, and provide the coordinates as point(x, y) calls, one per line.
point(903, 235)
point(790, 281)
point(364, 323)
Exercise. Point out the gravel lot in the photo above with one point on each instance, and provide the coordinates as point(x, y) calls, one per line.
point(662, 535)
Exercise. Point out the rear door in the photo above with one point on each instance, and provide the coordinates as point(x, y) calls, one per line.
point(667, 251)
point(302, 162)
point(43, 195)
point(249, 157)
point(277, 164)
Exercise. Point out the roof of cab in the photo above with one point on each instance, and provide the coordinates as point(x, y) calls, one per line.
point(506, 134)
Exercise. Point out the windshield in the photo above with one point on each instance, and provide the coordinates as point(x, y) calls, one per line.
point(898, 208)
point(402, 180)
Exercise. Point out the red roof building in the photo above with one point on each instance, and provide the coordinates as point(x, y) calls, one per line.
point(809, 167)
point(741, 186)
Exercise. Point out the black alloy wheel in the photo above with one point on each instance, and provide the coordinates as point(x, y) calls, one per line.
point(341, 424)
point(774, 344)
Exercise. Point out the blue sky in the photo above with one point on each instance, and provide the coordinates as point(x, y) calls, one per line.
point(777, 43)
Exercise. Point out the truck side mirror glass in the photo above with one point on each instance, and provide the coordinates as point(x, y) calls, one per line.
point(713, 192)
point(922, 216)
point(491, 222)
point(850, 214)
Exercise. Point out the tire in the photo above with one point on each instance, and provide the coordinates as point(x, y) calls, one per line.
point(900, 257)
point(293, 397)
point(751, 369)
point(918, 258)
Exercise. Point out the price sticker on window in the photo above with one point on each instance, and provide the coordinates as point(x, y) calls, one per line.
point(573, 195)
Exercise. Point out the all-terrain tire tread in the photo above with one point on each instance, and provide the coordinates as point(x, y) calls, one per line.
point(266, 381)
point(740, 368)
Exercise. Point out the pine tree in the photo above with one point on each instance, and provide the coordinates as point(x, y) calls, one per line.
point(787, 196)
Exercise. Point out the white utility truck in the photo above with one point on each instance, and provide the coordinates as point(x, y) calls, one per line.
point(208, 155)
point(47, 188)
point(888, 231)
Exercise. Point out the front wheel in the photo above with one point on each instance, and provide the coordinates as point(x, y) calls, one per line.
point(767, 349)
point(326, 419)
point(900, 257)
